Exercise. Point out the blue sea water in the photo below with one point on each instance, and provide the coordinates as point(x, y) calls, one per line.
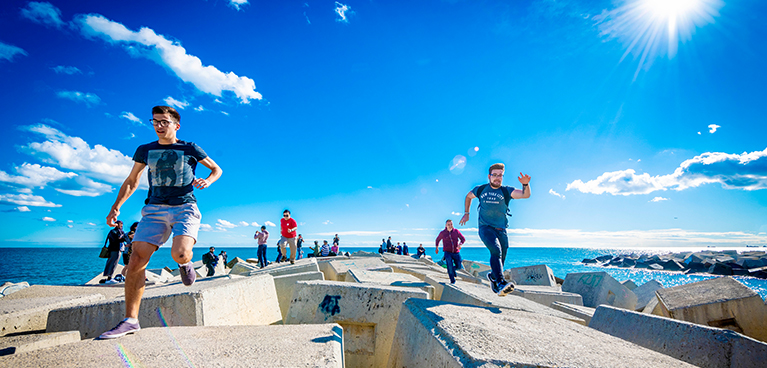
point(75, 266)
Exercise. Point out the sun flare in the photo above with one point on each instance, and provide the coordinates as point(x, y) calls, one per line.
point(646, 26)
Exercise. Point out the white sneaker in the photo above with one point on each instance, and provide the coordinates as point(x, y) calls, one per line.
point(111, 281)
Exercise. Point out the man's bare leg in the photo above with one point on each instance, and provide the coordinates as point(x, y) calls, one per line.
point(136, 277)
point(182, 249)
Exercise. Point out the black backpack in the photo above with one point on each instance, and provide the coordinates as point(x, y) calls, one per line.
point(506, 196)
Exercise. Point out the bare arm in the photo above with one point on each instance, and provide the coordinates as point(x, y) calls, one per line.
point(466, 206)
point(126, 190)
point(525, 191)
point(215, 173)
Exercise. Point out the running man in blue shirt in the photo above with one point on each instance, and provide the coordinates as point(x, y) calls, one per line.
point(494, 201)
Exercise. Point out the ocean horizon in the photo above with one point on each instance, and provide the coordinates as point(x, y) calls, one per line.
point(77, 265)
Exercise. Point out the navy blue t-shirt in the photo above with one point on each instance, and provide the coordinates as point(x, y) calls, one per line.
point(492, 206)
point(171, 171)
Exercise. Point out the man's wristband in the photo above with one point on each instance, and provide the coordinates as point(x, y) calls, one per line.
point(525, 185)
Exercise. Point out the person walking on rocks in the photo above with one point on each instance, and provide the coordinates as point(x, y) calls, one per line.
point(452, 240)
point(128, 247)
point(494, 200)
point(299, 244)
point(261, 237)
point(115, 238)
point(288, 227)
point(211, 261)
point(170, 206)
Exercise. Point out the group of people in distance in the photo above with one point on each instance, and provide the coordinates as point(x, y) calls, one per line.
point(387, 246)
point(172, 207)
point(288, 230)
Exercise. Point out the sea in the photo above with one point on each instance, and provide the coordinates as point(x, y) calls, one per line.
point(76, 266)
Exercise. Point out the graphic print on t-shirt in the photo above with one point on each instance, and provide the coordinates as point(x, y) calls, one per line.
point(167, 167)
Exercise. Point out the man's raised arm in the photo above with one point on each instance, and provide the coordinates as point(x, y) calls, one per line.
point(215, 173)
point(525, 192)
point(126, 190)
point(466, 207)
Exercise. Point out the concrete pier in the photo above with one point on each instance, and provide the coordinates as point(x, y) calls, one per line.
point(599, 288)
point(317, 345)
point(445, 335)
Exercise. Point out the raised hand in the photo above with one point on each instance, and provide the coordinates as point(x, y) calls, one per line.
point(523, 179)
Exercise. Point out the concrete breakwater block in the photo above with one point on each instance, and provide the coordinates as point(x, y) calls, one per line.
point(388, 278)
point(286, 285)
point(338, 268)
point(579, 311)
point(474, 268)
point(483, 296)
point(437, 334)
point(396, 258)
point(599, 288)
point(285, 268)
point(646, 293)
point(209, 302)
point(25, 343)
point(10, 288)
point(531, 275)
point(235, 261)
point(205, 346)
point(368, 314)
point(546, 295)
point(243, 269)
point(719, 302)
point(702, 346)
point(24, 314)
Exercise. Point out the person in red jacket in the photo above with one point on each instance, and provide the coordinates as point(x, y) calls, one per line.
point(452, 239)
point(288, 227)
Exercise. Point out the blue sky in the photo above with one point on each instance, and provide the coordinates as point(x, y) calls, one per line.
point(638, 121)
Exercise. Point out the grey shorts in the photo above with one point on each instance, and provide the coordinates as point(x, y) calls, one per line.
point(158, 220)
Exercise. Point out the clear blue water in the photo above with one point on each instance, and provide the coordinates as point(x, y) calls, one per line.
point(75, 266)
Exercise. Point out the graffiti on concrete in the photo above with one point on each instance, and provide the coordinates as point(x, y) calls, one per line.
point(592, 280)
point(532, 275)
point(329, 306)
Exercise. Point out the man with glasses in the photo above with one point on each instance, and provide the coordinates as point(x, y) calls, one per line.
point(170, 206)
point(494, 201)
point(288, 227)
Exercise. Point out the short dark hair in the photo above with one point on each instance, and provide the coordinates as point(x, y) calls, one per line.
point(498, 166)
point(283, 212)
point(167, 110)
point(263, 226)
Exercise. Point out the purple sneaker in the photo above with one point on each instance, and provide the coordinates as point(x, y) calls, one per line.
point(188, 274)
point(123, 328)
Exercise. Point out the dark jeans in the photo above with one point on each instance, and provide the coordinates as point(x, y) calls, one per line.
point(211, 269)
point(497, 242)
point(262, 255)
point(299, 252)
point(109, 269)
point(453, 261)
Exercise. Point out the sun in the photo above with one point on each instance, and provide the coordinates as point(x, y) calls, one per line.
point(652, 28)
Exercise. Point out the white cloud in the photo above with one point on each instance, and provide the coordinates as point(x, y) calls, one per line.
point(255, 224)
point(146, 43)
point(269, 223)
point(327, 222)
point(225, 113)
point(69, 70)
point(733, 171)
point(225, 224)
point(70, 226)
point(341, 10)
point(92, 224)
point(131, 117)
point(89, 99)
point(23, 209)
point(199, 108)
point(73, 153)
point(70, 221)
point(26, 200)
point(43, 13)
point(48, 219)
point(658, 199)
point(237, 3)
point(698, 133)
point(552, 192)
point(8, 52)
point(24, 190)
point(712, 128)
point(34, 175)
point(456, 213)
point(206, 227)
point(176, 103)
point(243, 223)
